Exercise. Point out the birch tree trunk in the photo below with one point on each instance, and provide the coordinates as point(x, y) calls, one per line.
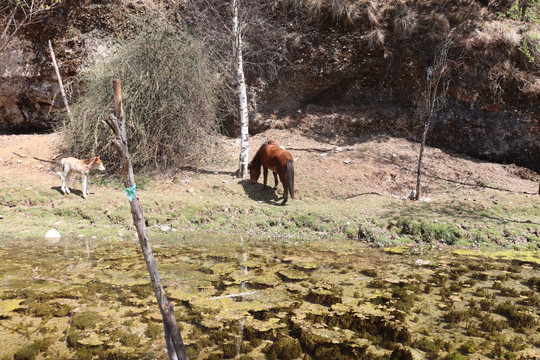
point(242, 93)
point(173, 338)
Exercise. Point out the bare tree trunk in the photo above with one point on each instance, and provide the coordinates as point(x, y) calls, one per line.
point(242, 94)
point(173, 338)
point(62, 92)
point(420, 159)
point(436, 77)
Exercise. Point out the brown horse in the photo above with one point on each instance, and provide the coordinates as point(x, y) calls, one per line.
point(279, 161)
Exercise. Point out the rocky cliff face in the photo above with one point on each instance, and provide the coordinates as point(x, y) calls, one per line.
point(492, 113)
point(27, 89)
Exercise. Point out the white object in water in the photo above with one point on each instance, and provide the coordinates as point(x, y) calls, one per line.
point(52, 235)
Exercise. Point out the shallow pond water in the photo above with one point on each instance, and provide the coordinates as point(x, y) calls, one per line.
point(266, 299)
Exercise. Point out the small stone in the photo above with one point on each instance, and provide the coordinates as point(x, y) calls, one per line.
point(52, 235)
point(347, 161)
point(165, 228)
point(19, 161)
point(323, 154)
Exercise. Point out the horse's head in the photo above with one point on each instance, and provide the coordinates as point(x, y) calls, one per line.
point(254, 173)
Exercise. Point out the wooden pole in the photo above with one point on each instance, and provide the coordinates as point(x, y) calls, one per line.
point(173, 338)
point(62, 92)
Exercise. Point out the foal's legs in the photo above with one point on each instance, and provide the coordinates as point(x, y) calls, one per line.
point(65, 182)
point(85, 185)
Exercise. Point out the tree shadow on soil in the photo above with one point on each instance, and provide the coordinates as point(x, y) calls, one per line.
point(474, 183)
point(261, 193)
point(207, 172)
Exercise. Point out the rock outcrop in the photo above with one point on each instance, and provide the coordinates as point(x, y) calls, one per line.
point(491, 113)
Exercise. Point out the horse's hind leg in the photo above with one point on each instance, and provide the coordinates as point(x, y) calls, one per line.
point(276, 180)
point(285, 189)
point(285, 195)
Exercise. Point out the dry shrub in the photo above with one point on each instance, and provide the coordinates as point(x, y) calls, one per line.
point(530, 46)
point(170, 99)
point(495, 33)
point(376, 38)
point(530, 86)
point(441, 23)
point(316, 9)
point(405, 22)
point(373, 14)
point(351, 15)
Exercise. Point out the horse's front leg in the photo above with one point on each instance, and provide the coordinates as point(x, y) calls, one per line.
point(276, 180)
point(265, 174)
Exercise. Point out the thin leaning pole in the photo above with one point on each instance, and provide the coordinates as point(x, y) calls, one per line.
point(173, 338)
point(62, 92)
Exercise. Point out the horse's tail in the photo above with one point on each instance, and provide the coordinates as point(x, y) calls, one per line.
point(290, 177)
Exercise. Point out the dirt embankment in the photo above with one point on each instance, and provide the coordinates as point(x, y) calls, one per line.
point(336, 167)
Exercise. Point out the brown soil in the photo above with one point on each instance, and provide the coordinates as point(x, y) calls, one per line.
point(337, 168)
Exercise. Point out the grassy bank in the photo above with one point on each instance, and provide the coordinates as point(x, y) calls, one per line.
point(219, 203)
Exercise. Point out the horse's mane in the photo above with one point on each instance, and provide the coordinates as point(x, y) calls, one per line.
point(257, 162)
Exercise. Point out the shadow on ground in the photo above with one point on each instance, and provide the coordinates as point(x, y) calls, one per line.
point(72, 191)
point(261, 193)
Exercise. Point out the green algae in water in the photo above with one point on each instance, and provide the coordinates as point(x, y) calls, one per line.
point(369, 330)
point(530, 256)
point(324, 295)
point(285, 348)
point(306, 266)
point(7, 307)
point(30, 352)
point(85, 320)
point(293, 275)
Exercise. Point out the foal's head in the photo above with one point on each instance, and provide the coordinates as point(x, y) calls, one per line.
point(97, 164)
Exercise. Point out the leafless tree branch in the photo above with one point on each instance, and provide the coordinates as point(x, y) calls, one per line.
point(16, 14)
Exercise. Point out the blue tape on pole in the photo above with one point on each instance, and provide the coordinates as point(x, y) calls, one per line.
point(130, 192)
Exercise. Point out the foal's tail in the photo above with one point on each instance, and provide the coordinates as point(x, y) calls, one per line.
point(290, 177)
